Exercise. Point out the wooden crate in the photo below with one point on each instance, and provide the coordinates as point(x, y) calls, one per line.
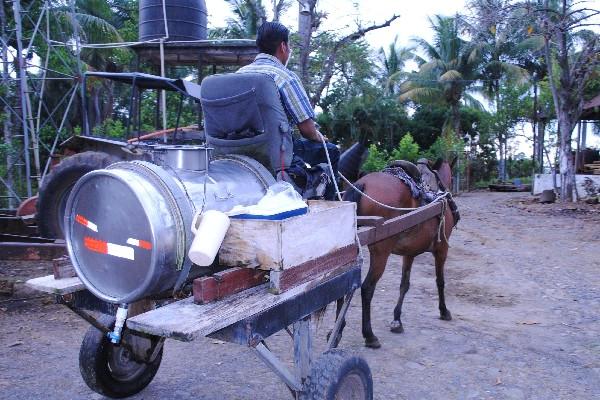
point(284, 244)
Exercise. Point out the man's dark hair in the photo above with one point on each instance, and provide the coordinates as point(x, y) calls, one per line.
point(270, 35)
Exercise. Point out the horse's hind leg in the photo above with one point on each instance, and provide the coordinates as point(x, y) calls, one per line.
point(440, 259)
point(396, 324)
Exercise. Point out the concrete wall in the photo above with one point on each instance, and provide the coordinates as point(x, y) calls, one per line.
point(544, 182)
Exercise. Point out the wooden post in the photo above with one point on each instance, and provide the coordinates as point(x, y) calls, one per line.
point(302, 347)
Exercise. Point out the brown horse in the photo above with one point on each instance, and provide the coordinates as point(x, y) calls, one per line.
point(389, 190)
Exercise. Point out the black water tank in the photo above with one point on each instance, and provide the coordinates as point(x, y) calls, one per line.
point(186, 19)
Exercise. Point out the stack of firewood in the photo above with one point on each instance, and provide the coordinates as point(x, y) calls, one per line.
point(592, 169)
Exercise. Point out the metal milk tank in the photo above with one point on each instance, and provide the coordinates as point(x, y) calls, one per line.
point(127, 227)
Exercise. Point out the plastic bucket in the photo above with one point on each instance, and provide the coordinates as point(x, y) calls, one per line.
point(209, 229)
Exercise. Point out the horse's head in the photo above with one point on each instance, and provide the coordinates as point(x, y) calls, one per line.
point(444, 172)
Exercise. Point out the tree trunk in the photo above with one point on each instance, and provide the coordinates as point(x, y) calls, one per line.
point(278, 6)
point(305, 24)
point(566, 160)
point(541, 133)
point(502, 164)
point(534, 126)
point(456, 119)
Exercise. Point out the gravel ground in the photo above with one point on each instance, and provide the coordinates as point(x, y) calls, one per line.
point(522, 283)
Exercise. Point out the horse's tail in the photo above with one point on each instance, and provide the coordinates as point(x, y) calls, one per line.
point(352, 195)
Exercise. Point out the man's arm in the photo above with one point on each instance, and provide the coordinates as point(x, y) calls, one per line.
point(309, 130)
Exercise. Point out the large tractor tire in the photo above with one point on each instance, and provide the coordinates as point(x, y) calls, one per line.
point(57, 185)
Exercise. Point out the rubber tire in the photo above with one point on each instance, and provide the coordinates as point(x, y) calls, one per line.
point(57, 185)
point(94, 367)
point(328, 372)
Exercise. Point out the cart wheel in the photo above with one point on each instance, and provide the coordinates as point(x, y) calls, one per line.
point(339, 375)
point(109, 369)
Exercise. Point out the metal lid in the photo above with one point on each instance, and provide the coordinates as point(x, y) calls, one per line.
point(111, 231)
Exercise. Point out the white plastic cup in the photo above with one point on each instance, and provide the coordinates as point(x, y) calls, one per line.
point(209, 229)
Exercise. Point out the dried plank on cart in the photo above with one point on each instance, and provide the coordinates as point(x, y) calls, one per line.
point(393, 226)
point(328, 265)
point(225, 283)
point(184, 320)
point(369, 220)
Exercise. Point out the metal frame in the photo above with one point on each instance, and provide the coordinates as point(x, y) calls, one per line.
point(27, 104)
point(253, 331)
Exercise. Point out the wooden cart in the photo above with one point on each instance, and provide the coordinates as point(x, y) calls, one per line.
point(247, 318)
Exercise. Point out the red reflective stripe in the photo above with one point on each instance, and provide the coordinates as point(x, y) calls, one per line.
point(145, 245)
point(81, 220)
point(99, 246)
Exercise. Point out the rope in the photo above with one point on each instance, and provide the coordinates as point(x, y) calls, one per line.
point(373, 200)
point(337, 189)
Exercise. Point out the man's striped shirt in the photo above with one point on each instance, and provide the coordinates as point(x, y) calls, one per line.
point(293, 97)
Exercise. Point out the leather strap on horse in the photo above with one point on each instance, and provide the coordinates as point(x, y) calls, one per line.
point(442, 224)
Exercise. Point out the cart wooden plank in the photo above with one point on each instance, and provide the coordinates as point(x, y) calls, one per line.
point(371, 234)
point(186, 321)
point(56, 286)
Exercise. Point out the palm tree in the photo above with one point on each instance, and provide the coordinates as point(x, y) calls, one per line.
point(502, 41)
point(248, 16)
point(393, 61)
point(96, 22)
point(448, 70)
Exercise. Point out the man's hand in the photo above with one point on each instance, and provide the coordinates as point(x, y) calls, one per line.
point(322, 137)
point(309, 131)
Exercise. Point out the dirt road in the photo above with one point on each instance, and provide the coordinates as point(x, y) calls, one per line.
point(523, 286)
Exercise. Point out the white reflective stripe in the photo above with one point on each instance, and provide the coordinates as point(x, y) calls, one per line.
point(92, 226)
point(120, 251)
point(133, 242)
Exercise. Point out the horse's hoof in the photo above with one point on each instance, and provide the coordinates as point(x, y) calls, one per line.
point(396, 327)
point(372, 343)
point(446, 316)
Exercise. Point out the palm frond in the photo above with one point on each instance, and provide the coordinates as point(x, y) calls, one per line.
point(451, 75)
point(428, 48)
point(421, 95)
point(472, 102)
point(97, 29)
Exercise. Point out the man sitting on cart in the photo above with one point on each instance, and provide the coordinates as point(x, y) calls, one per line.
point(272, 41)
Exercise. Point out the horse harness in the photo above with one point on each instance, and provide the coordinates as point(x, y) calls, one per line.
point(418, 191)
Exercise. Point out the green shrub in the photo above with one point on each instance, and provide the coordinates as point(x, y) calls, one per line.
point(407, 149)
point(376, 160)
point(110, 128)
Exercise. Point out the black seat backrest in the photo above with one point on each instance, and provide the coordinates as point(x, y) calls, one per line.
point(243, 114)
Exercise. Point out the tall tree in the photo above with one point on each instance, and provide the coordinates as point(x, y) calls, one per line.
point(500, 37)
point(393, 61)
point(248, 16)
point(448, 70)
point(309, 21)
point(572, 53)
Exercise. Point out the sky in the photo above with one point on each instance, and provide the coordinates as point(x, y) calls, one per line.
point(343, 16)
